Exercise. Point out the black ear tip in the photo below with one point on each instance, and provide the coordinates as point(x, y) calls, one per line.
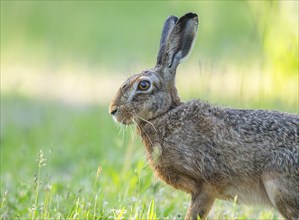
point(190, 15)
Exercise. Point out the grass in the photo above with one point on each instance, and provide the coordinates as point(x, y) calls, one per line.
point(72, 162)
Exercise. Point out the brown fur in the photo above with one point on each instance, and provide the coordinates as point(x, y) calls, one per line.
point(208, 151)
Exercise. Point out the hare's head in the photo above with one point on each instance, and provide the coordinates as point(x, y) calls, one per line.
point(147, 95)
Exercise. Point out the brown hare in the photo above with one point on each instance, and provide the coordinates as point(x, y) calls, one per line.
point(205, 150)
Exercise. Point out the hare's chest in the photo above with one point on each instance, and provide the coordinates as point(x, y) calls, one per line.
point(166, 168)
point(160, 163)
point(155, 155)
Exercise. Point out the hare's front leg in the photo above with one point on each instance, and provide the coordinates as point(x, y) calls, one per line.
point(201, 204)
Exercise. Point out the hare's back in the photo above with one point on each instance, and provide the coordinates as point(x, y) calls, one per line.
point(260, 137)
point(265, 128)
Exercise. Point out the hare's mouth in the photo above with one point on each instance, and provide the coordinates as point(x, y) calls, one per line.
point(124, 121)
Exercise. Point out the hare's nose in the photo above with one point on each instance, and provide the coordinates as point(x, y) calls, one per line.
point(113, 110)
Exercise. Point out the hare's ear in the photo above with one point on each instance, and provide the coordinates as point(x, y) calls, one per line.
point(179, 42)
point(167, 28)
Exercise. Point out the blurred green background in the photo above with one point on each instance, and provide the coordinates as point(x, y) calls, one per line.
point(61, 64)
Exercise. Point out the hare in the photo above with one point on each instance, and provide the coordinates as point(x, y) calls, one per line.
point(208, 151)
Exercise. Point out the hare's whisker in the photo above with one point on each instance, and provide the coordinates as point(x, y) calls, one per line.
point(147, 122)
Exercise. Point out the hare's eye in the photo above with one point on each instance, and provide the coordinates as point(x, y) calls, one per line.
point(144, 85)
